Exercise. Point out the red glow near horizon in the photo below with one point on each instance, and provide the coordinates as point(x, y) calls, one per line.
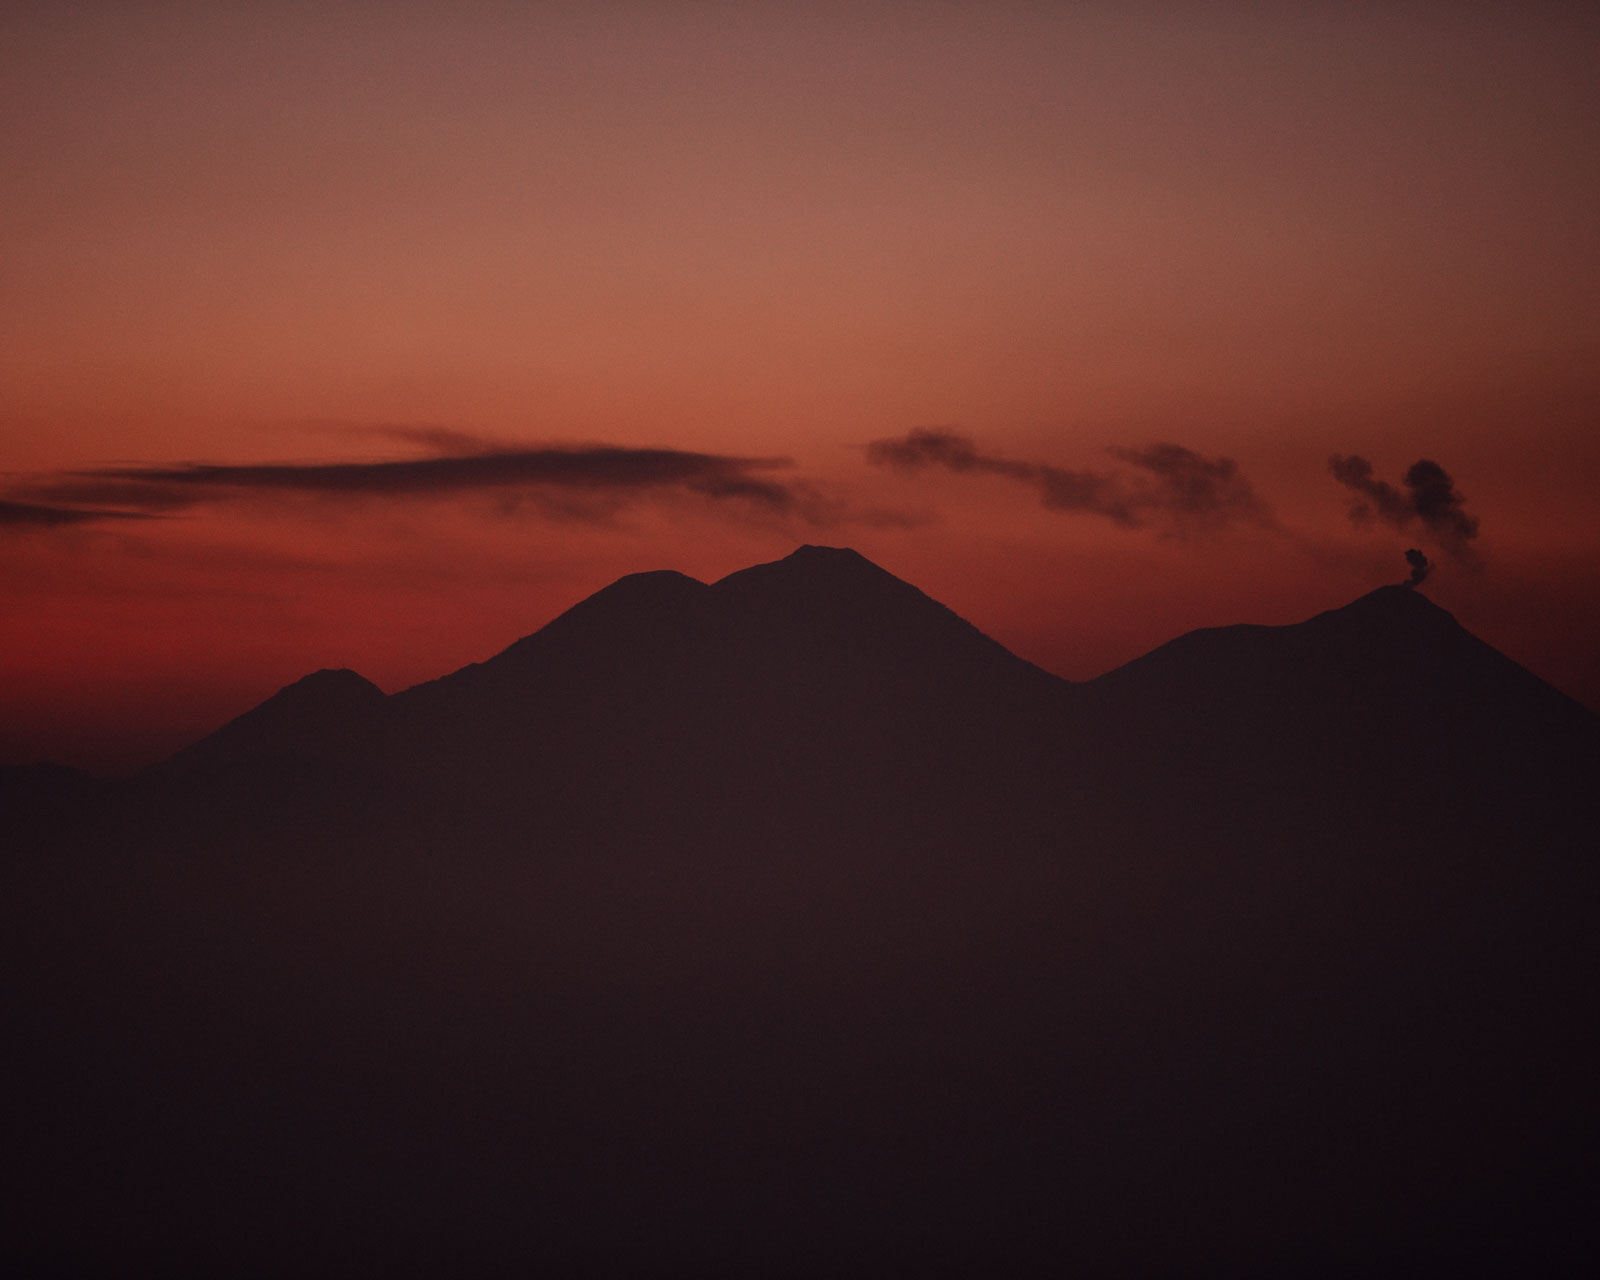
point(263, 235)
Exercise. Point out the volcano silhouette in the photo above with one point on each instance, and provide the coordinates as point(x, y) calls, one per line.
point(789, 924)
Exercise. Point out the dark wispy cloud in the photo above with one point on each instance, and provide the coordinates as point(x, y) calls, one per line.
point(606, 474)
point(1429, 499)
point(38, 515)
point(431, 437)
point(1165, 486)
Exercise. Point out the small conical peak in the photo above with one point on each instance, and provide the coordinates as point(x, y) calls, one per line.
point(634, 594)
point(1375, 627)
point(809, 568)
point(810, 553)
point(1387, 615)
point(301, 718)
point(654, 584)
point(835, 600)
point(1397, 604)
point(331, 686)
point(658, 598)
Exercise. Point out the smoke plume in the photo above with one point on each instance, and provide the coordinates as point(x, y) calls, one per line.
point(1421, 567)
point(1169, 486)
point(1429, 498)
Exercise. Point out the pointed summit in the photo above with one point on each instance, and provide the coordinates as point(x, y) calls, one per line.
point(637, 609)
point(320, 715)
point(662, 677)
point(1392, 646)
point(833, 604)
point(815, 571)
point(658, 589)
point(1399, 604)
point(814, 558)
point(330, 689)
point(1374, 708)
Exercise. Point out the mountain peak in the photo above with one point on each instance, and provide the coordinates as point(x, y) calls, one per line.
point(1388, 612)
point(315, 714)
point(644, 606)
point(651, 591)
point(1396, 596)
point(1389, 655)
point(811, 553)
point(329, 687)
point(651, 582)
point(812, 570)
point(841, 610)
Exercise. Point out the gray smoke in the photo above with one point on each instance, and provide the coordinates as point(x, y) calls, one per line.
point(1429, 498)
point(1166, 485)
point(1421, 567)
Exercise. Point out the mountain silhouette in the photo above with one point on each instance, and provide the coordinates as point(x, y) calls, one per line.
point(1387, 706)
point(1391, 650)
point(788, 684)
point(787, 923)
point(318, 718)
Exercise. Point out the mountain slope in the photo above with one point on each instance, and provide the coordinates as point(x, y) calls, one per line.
point(812, 676)
point(1392, 647)
point(819, 613)
point(786, 925)
point(819, 690)
point(323, 719)
point(1387, 708)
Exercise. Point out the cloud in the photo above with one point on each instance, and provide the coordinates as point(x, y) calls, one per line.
point(431, 437)
point(34, 515)
point(605, 473)
point(446, 441)
point(1203, 493)
point(1168, 487)
point(1430, 498)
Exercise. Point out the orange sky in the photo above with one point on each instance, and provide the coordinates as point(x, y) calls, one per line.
point(274, 233)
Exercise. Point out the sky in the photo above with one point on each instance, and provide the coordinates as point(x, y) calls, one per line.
point(375, 336)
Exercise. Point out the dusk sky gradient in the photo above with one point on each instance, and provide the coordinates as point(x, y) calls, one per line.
point(377, 335)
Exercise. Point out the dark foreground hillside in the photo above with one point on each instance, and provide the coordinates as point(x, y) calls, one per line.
point(790, 925)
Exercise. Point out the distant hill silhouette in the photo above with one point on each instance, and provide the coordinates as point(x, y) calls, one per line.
point(788, 924)
point(317, 718)
point(1385, 706)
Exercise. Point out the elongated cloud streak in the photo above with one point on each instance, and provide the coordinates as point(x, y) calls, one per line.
point(604, 473)
point(1430, 498)
point(1169, 486)
point(35, 515)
